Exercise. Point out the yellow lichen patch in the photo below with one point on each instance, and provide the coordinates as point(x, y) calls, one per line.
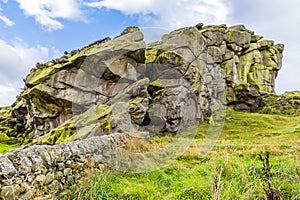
point(79, 127)
point(93, 114)
point(39, 74)
point(60, 134)
point(156, 83)
point(151, 54)
point(4, 147)
point(4, 137)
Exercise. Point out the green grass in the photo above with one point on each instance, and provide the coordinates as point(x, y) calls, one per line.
point(4, 147)
point(233, 166)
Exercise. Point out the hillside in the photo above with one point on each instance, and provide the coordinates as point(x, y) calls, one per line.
point(233, 170)
point(233, 165)
point(186, 117)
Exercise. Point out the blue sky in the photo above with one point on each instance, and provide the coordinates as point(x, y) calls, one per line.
point(38, 30)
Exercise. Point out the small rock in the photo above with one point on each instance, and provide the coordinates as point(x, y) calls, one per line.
point(41, 179)
point(7, 182)
point(255, 38)
point(49, 179)
point(68, 163)
point(199, 26)
point(55, 186)
point(67, 172)
point(24, 187)
point(238, 28)
point(264, 44)
point(60, 166)
point(59, 175)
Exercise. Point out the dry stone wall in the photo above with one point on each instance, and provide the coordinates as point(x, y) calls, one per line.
point(46, 170)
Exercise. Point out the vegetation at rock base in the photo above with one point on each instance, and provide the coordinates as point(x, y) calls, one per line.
point(287, 103)
point(233, 170)
point(4, 147)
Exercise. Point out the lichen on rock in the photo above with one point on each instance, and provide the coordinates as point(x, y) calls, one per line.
point(10, 127)
point(287, 103)
point(188, 73)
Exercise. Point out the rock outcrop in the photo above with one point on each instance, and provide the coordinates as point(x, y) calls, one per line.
point(9, 126)
point(95, 98)
point(126, 85)
point(251, 66)
point(287, 103)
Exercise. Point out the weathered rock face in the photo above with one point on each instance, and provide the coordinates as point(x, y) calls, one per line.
point(249, 61)
point(125, 85)
point(9, 126)
point(287, 103)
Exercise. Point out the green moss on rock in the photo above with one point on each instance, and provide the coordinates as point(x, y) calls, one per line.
point(130, 29)
point(287, 103)
point(151, 55)
point(8, 124)
point(81, 126)
point(35, 76)
point(4, 137)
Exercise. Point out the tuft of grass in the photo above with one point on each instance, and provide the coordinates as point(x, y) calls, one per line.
point(4, 147)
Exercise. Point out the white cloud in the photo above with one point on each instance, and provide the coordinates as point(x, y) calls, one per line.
point(8, 92)
point(7, 21)
point(170, 14)
point(30, 55)
point(48, 12)
point(16, 59)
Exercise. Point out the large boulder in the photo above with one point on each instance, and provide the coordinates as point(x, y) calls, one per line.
point(126, 85)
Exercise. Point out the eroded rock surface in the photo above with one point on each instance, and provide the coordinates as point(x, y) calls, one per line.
point(287, 103)
point(124, 84)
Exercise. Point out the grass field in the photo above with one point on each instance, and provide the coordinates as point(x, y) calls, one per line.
point(232, 170)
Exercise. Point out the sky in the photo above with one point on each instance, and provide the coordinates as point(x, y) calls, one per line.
point(34, 31)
